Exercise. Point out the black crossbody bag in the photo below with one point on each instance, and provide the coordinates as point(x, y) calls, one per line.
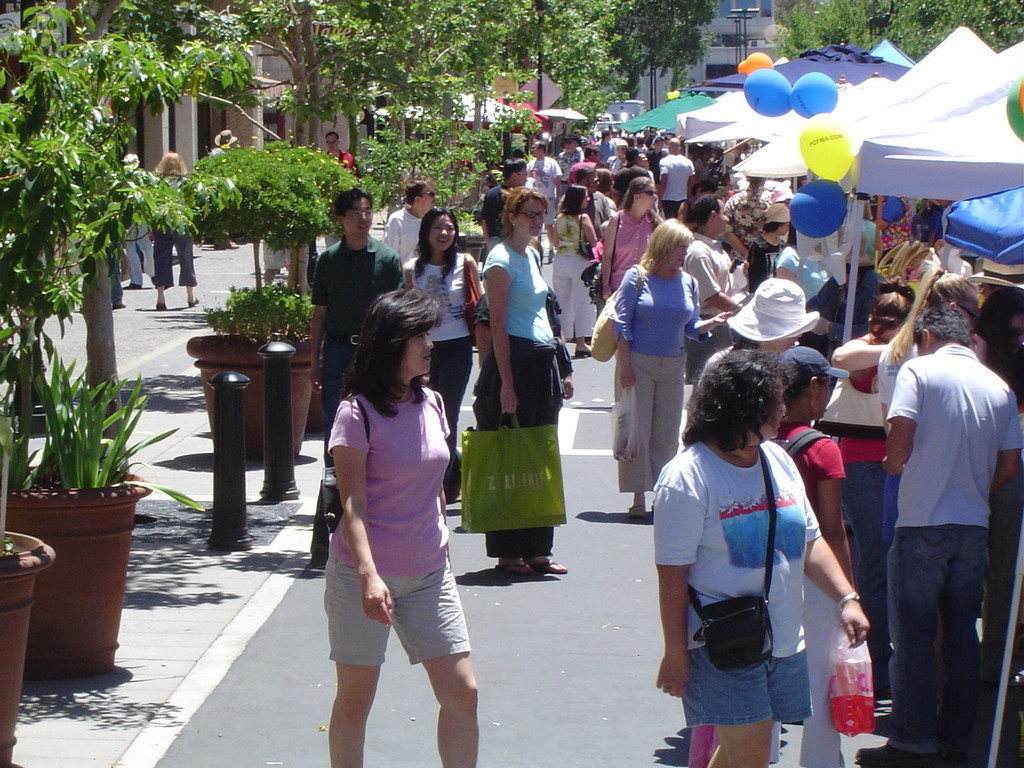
point(738, 632)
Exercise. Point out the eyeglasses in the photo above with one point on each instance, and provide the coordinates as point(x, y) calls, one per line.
point(431, 193)
point(531, 214)
point(362, 214)
point(650, 192)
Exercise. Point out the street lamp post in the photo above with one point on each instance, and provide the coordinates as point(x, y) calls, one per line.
point(540, 6)
point(739, 17)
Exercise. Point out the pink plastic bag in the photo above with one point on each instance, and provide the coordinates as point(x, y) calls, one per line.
point(851, 690)
point(703, 743)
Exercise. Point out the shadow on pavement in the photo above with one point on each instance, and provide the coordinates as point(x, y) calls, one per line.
point(677, 752)
point(593, 516)
point(203, 462)
point(173, 394)
point(490, 577)
point(106, 700)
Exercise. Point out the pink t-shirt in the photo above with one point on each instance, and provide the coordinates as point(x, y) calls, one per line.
point(630, 243)
point(405, 463)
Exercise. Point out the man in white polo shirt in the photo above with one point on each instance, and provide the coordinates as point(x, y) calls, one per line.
point(402, 231)
point(954, 438)
point(674, 185)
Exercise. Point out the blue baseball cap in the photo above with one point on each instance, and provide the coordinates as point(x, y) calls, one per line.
point(809, 362)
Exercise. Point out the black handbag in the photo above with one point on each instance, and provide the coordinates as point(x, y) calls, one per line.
point(737, 632)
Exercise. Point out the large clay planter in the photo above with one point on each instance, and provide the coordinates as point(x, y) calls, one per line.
point(77, 612)
point(214, 354)
point(17, 579)
point(315, 419)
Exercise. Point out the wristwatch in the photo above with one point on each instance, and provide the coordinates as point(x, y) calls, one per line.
point(847, 598)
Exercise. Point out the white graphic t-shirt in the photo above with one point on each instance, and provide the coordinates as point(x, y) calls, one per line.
point(544, 172)
point(713, 516)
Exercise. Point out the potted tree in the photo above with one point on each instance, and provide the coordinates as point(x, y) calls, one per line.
point(21, 558)
point(248, 320)
point(284, 200)
point(76, 492)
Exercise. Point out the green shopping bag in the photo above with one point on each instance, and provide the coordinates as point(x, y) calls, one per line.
point(511, 478)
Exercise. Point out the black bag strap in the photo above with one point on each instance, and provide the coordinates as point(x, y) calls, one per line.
point(769, 489)
point(366, 419)
point(802, 441)
point(769, 558)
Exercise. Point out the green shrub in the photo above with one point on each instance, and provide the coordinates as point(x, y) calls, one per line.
point(257, 315)
point(285, 193)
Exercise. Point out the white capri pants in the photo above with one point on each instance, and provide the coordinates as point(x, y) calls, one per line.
point(578, 316)
point(660, 395)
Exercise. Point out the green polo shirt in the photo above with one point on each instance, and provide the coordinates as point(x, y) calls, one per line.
point(348, 281)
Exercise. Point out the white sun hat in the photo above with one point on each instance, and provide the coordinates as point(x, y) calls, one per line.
point(775, 312)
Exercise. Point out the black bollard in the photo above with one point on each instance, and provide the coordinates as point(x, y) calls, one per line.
point(278, 448)
point(230, 528)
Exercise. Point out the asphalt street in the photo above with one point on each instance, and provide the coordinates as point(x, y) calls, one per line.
point(566, 665)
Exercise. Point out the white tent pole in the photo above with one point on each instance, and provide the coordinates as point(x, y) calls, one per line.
point(854, 220)
point(1004, 676)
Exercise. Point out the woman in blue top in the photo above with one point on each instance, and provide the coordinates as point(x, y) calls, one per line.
point(656, 307)
point(520, 376)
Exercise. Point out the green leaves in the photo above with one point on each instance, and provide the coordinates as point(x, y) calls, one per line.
point(257, 315)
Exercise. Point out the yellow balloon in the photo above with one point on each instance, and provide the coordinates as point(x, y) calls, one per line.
point(672, 95)
point(826, 147)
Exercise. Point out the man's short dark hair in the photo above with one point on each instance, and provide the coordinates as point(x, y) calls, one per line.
point(346, 201)
point(702, 209)
point(632, 155)
point(945, 323)
point(606, 134)
point(590, 151)
point(511, 167)
point(331, 133)
point(539, 144)
point(575, 138)
point(415, 187)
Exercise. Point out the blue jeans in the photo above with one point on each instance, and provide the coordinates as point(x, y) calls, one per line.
point(336, 357)
point(450, 364)
point(862, 502)
point(935, 571)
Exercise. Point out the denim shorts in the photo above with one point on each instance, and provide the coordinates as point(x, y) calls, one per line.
point(777, 689)
point(427, 617)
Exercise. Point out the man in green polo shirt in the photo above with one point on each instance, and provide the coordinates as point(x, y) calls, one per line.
point(349, 276)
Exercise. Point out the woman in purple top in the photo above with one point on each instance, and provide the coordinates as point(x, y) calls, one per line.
point(389, 556)
point(626, 235)
point(656, 308)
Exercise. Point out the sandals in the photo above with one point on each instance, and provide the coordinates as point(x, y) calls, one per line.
point(548, 566)
point(514, 569)
point(637, 512)
point(194, 303)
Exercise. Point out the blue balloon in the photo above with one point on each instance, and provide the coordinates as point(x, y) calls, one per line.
point(813, 94)
point(818, 209)
point(767, 92)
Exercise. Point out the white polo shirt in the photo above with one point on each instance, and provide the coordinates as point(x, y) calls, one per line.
point(402, 233)
point(965, 414)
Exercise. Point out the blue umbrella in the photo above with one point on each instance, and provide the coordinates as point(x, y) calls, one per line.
point(990, 225)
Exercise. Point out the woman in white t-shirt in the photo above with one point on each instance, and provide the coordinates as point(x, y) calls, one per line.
point(710, 535)
point(573, 227)
point(443, 273)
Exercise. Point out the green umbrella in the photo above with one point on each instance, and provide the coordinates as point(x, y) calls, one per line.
point(664, 117)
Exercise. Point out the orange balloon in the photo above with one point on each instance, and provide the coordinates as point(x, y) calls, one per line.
point(759, 61)
point(744, 67)
point(1022, 91)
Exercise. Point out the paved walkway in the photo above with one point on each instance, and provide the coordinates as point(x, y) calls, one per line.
point(224, 656)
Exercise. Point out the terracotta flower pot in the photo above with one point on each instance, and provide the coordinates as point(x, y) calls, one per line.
point(17, 578)
point(77, 612)
point(214, 354)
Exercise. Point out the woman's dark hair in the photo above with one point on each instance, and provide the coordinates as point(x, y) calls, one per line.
point(702, 209)
point(705, 187)
point(393, 319)
point(735, 397)
point(1003, 345)
point(773, 226)
point(423, 243)
point(572, 201)
point(891, 308)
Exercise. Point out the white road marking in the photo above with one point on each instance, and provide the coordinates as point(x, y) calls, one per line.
point(150, 745)
point(136, 363)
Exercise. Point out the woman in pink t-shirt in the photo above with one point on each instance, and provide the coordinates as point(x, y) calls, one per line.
point(389, 556)
point(627, 233)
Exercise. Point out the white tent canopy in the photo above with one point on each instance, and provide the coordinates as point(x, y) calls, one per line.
point(729, 108)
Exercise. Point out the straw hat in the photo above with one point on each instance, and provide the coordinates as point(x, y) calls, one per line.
point(776, 312)
point(993, 273)
point(226, 139)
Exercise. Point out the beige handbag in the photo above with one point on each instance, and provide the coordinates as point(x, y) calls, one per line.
point(605, 339)
point(852, 413)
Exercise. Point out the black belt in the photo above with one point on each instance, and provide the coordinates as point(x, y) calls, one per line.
point(343, 338)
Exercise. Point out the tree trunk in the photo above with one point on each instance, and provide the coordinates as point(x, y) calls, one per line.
point(256, 266)
point(100, 352)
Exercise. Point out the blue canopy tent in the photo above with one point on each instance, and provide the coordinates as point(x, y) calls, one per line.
point(990, 225)
point(847, 61)
point(892, 54)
